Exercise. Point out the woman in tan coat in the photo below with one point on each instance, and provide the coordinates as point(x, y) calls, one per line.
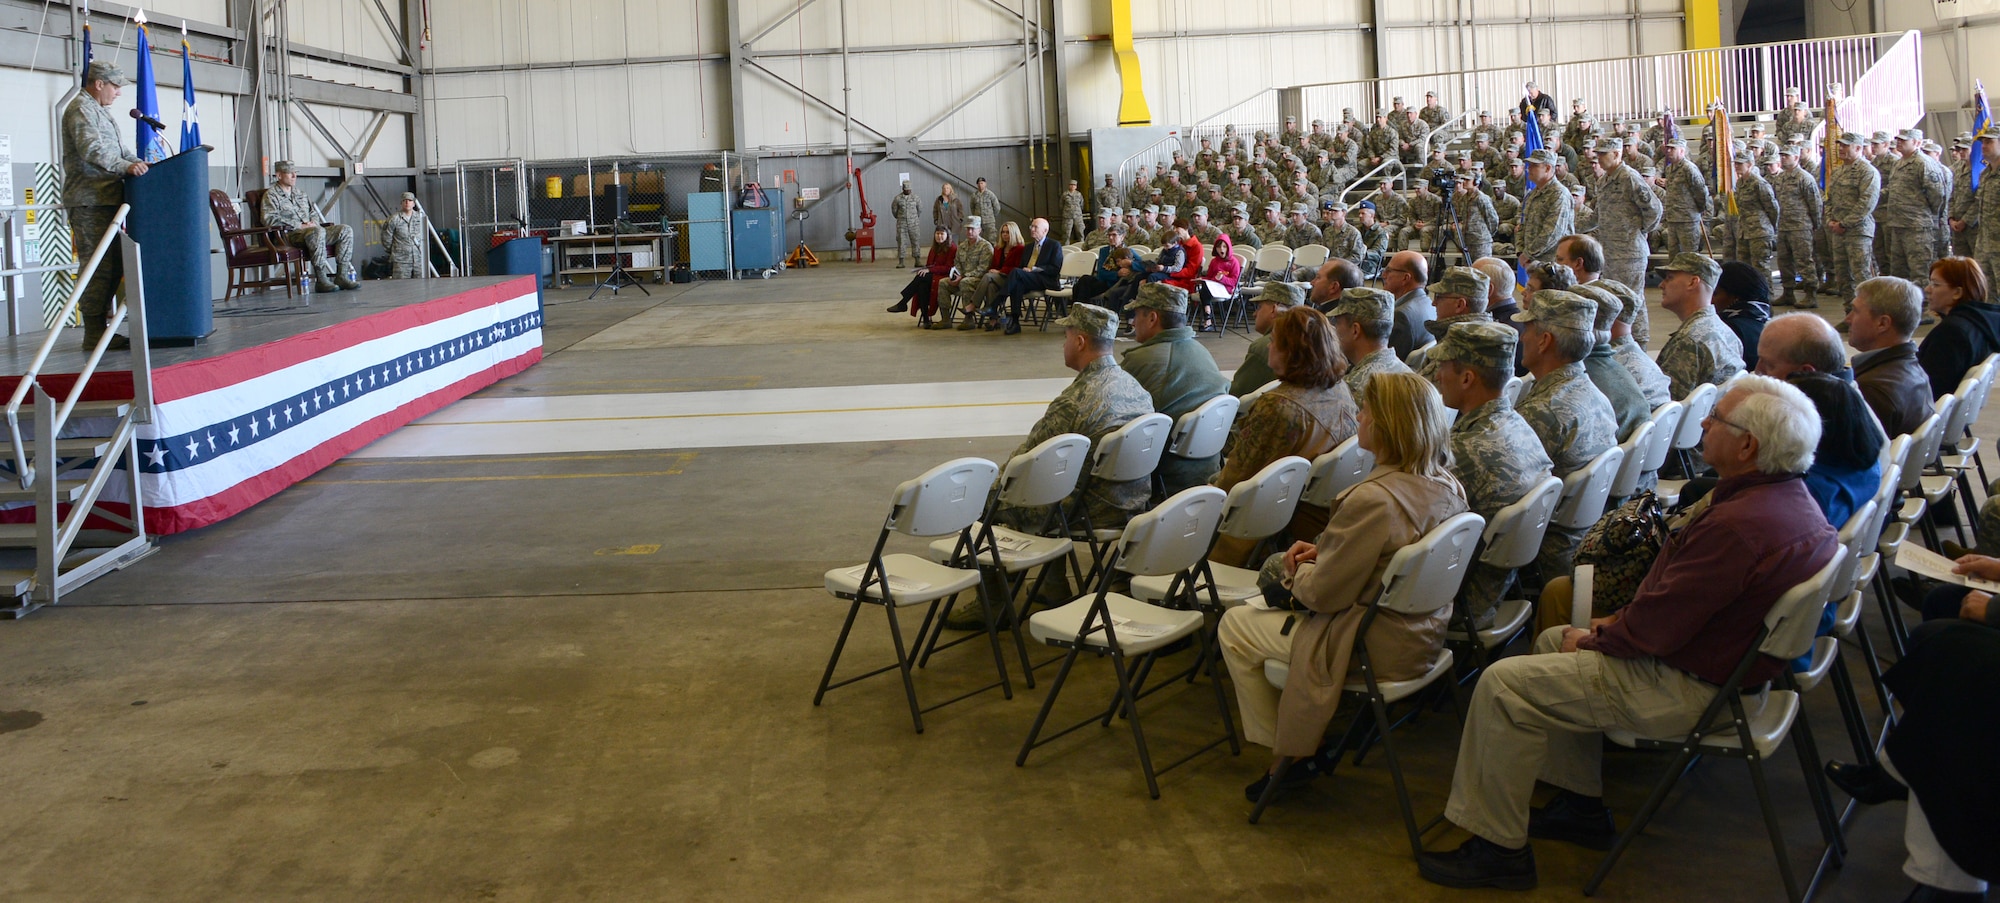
point(1410, 491)
point(1308, 414)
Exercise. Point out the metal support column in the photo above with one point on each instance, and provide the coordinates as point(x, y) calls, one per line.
point(739, 50)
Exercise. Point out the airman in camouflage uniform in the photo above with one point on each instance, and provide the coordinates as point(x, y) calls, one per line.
point(1852, 189)
point(1627, 209)
point(403, 239)
point(1174, 193)
point(1703, 349)
point(1913, 198)
point(1107, 194)
point(1301, 233)
point(1100, 236)
point(1485, 128)
point(1341, 237)
point(94, 168)
point(973, 260)
point(1375, 238)
point(986, 206)
point(1496, 455)
point(1072, 224)
point(1381, 142)
point(1565, 409)
point(1756, 215)
point(1547, 215)
point(1392, 210)
point(1458, 289)
point(1652, 381)
point(1272, 228)
point(1140, 193)
point(1509, 209)
point(1377, 307)
point(907, 210)
point(1434, 115)
point(1476, 218)
point(1239, 231)
point(1941, 226)
point(1683, 199)
point(1580, 127)
point(1102, 398)
point(1426, 210)
point(1964, 217)
point(306, 226)
point(1987, 252)
point(1795, 121)
point(1798, 219)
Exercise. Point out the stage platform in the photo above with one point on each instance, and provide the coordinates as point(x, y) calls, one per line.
point(285, 387)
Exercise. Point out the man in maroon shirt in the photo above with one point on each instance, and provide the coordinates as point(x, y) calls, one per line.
point(1652, 667)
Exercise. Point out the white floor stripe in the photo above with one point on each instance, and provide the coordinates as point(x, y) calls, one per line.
point(745, 417)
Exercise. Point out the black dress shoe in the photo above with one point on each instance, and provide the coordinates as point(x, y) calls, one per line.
point(1013, 327)
point(899, 306)
point(1480, 863)
point(1924, 893)
point(1869, 784)
point(1299, 774)
point(1572, 818)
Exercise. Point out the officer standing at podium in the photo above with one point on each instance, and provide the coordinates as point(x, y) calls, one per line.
point(94, 167)
point(288, 208)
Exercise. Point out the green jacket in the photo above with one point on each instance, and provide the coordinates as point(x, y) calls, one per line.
point(1180, 375)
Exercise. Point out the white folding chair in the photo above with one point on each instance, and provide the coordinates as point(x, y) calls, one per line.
point(1969, 448)
point(1924, 490)
point(945, 500)
point(1586, 490)
point(1140, 250)
point(1421, 578)
point(1200, 433)
point(1041, 477)
point(1312, 256)
point(1727, 728)
point(1632, 467)
point(1170, 539)
point(1074, 266)
point(1890, 538)
point(1517, 388)
point(1274, 261)
point(1954, 466)
point(1695, 408)
point(1666, 427)
point(1256, 508)
point(1130, 452)
point(1335, 471)
point(1510, 542)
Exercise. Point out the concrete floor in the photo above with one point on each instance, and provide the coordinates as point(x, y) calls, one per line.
point(588, 676)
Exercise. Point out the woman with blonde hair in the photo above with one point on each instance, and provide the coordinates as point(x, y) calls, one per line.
point(1007, 256)
point(1333, 580)
point(1308, 414)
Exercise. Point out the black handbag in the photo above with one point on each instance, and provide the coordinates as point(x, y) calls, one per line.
point(1622, 546)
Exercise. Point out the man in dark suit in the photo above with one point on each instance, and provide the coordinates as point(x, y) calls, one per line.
point(1405, 277)
point(1040, 270)
point(1879, 323)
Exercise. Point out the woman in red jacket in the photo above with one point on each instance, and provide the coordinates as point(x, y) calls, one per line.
point(1189, 272)
point(1224, 272)
point(920, 296)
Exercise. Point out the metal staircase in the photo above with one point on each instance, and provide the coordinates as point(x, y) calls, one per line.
point(71, 453)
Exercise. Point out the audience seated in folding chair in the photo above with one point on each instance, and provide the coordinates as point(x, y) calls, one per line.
point(1219, 280)
point(919, 297)
point(1331, 580)
point(1495, 454)
point(1968, 328)
point(1272, 302)
point(1100, 399)
point(1947, 601)
point(1105, 274)
point(1653, 669)
point(1566, 410)
point(1040, 270)
point(1501, 302)
point(1335, 276)
point(1880, 323)
point(1175, 368)
point(1939, 756)
point(1308, 414)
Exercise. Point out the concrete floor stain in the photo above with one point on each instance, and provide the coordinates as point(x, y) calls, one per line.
point(18, 721)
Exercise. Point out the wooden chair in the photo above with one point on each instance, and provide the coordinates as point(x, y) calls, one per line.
point(254, 251)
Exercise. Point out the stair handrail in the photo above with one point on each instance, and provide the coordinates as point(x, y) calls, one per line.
point(1385, 164)
point(30, 380)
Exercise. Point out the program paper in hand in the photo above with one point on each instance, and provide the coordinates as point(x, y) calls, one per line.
point(1918, 560)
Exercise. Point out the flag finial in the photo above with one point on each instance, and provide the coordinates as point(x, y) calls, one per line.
point(138, 17)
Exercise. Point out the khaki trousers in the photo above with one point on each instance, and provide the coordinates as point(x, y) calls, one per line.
point(1542, 717)
point(1249, 638)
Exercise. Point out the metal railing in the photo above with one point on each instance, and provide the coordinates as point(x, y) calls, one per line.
point(1129, 167)
point(1749, 79)
point(14, 268)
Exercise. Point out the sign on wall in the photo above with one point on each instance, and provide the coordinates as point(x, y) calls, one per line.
point(1959, 9)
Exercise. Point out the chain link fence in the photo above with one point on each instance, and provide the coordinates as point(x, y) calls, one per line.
point(501, 199)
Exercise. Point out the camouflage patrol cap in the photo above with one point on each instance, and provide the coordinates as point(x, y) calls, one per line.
point(1880, 137)
point(972, 222)
point(1608, 305)
point(1161, 296)
point(1239, 213)
point(1092, 321)
point(1334, 204)
point(1675, 141)
point(1430, 93)
point(1910, 135)
point(1743, 156)
point(1701, 266)
point(1381, 113)
point(105, 70)
point(1240, 207)
point(1300, 209)
point(409, 195)
point(1932, 147)
point(1200, 211)
point(1319, 123)
point(1628, 300)
point(1559, 309)
point(1852, 139)
point(1397, 100)
point(1166, 210)
point(1789, 150)
point(1151, 208)
point(283, 166)
point(1282, 294)
point(1465, 155)
point(1465, 282)
point(1477, 344)
point(1273, 206)
point(1544, 157)
point(1486, 114)
point(1365, 305)
point(1482, 138)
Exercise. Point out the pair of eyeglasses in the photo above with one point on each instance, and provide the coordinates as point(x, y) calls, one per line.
point(1717, 418)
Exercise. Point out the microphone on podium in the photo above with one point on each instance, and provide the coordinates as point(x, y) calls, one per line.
point(155, 123)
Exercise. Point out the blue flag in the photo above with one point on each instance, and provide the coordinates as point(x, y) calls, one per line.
point(190, 120)
point(1980, 121)
point(152, 146)
point(83, 74)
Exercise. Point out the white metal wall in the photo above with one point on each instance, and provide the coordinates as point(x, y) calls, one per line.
point(1957, 52)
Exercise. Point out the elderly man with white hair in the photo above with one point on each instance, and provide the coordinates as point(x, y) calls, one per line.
point(1654, 666)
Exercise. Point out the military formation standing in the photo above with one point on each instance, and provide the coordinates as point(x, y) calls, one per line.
point(1852, 190)
point(1799, 219)
point(905, 208)
point(1683, 200)
point(95, 165)
point(1627, 210)
point(1913, 200)
point(1756, 215)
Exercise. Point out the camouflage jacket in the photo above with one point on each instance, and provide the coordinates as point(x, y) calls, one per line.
point(1303, 234)
point(1989, 210)
point(974, 258)
point(1381, 360)
point(1102, 398)
point(290, 208)
point(1798, 200)
point(1702, 350)
point(1571, 416)
point(905, 208)
point(1548, 215)
point(1684, 197)
point(1914, 195)
point(1852, 191)
point(1653, 382)
point(94, 163)
point(1345, 243)
point(1374, 238)
point(1496, 456)
point(1626, 209)
point(1475, 215)
point(1756, 206)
